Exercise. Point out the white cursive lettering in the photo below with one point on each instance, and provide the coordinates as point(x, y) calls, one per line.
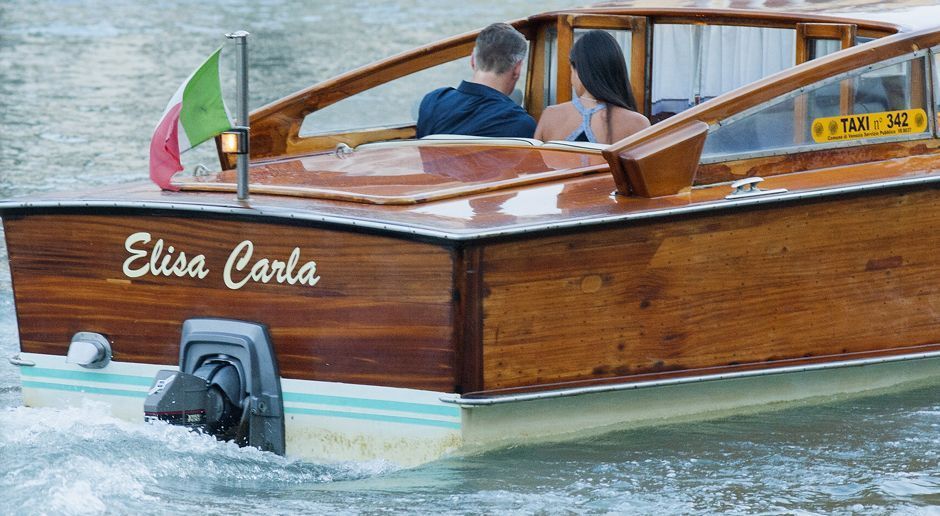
point(159, 263)
point(165, 260)
point(264, 270)
point(136, 238)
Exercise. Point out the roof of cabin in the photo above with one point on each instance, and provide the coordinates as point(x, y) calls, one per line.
point(907, 14)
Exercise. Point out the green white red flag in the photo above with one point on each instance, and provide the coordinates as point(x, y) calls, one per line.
point(195, 113)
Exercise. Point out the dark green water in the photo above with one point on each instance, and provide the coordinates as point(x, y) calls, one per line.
point(81, 86)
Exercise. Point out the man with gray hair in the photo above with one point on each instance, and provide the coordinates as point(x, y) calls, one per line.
point(481, 106)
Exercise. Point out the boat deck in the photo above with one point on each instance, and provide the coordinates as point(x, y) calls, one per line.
point(558, 199)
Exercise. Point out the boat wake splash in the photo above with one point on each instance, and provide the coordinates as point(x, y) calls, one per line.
point(104, 464)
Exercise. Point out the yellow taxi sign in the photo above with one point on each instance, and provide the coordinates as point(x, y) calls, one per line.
point(869, 125)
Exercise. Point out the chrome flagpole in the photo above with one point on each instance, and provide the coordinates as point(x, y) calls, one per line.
point(241, 109)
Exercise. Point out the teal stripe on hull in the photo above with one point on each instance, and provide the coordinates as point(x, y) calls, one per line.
point(122, 379)
point(288, 410)
point(374, 417)
point(395, 406)
point(80, 388)
point(320, 399)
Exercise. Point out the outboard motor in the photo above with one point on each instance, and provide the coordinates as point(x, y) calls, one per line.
point(228, 385)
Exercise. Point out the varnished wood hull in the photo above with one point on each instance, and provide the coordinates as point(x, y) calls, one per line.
point(818, 281)
point(800, 283)
point(765, 289)
point(380, 314)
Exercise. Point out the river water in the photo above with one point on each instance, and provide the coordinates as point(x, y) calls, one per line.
point(81, 85)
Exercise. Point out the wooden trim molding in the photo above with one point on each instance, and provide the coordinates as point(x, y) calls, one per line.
point(563, 42)
point(535, 75)
point(468, 317)
point(639, 63)
point(637, 26)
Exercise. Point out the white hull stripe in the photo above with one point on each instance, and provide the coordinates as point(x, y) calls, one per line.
point(388, 411)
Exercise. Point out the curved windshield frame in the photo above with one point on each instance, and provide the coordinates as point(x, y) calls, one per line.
point(800, 120)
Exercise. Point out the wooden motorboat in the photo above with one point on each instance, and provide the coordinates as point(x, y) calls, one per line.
point(771, 238)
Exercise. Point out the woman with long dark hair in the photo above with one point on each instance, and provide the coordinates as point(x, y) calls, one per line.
point(601, 86)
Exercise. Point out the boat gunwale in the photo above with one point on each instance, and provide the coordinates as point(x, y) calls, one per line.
point(441, 235)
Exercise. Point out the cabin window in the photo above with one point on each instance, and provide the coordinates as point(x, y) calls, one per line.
point(823, 47)
point(391, 104)
point(394, 103)
point(936, 87)
point(830, 113)
point(624, 39)
point(815, 40)
point(693, 63)
point(551, 75)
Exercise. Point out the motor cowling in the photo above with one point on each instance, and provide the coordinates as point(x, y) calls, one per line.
point(228, 384)
point(210, 399)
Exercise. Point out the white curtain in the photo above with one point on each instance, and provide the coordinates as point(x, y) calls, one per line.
point(706, 61)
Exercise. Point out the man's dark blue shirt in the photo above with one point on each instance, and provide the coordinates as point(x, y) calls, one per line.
point(475, 110)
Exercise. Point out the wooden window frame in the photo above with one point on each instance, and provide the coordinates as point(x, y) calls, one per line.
point(639, 29)
point(847, 35)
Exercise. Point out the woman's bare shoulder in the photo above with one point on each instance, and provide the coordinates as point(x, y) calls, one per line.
point(556, 110)
point(630, 118)
point(550, 120)
point(626, 122)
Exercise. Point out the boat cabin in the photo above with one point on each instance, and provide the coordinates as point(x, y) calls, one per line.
point(804, 106)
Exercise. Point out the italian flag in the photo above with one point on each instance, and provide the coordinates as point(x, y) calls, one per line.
point(195, 113)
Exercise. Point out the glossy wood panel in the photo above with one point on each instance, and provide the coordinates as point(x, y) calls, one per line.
point(381, 313)
point(579, 200)
point(409, 174)
point(759, 286)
